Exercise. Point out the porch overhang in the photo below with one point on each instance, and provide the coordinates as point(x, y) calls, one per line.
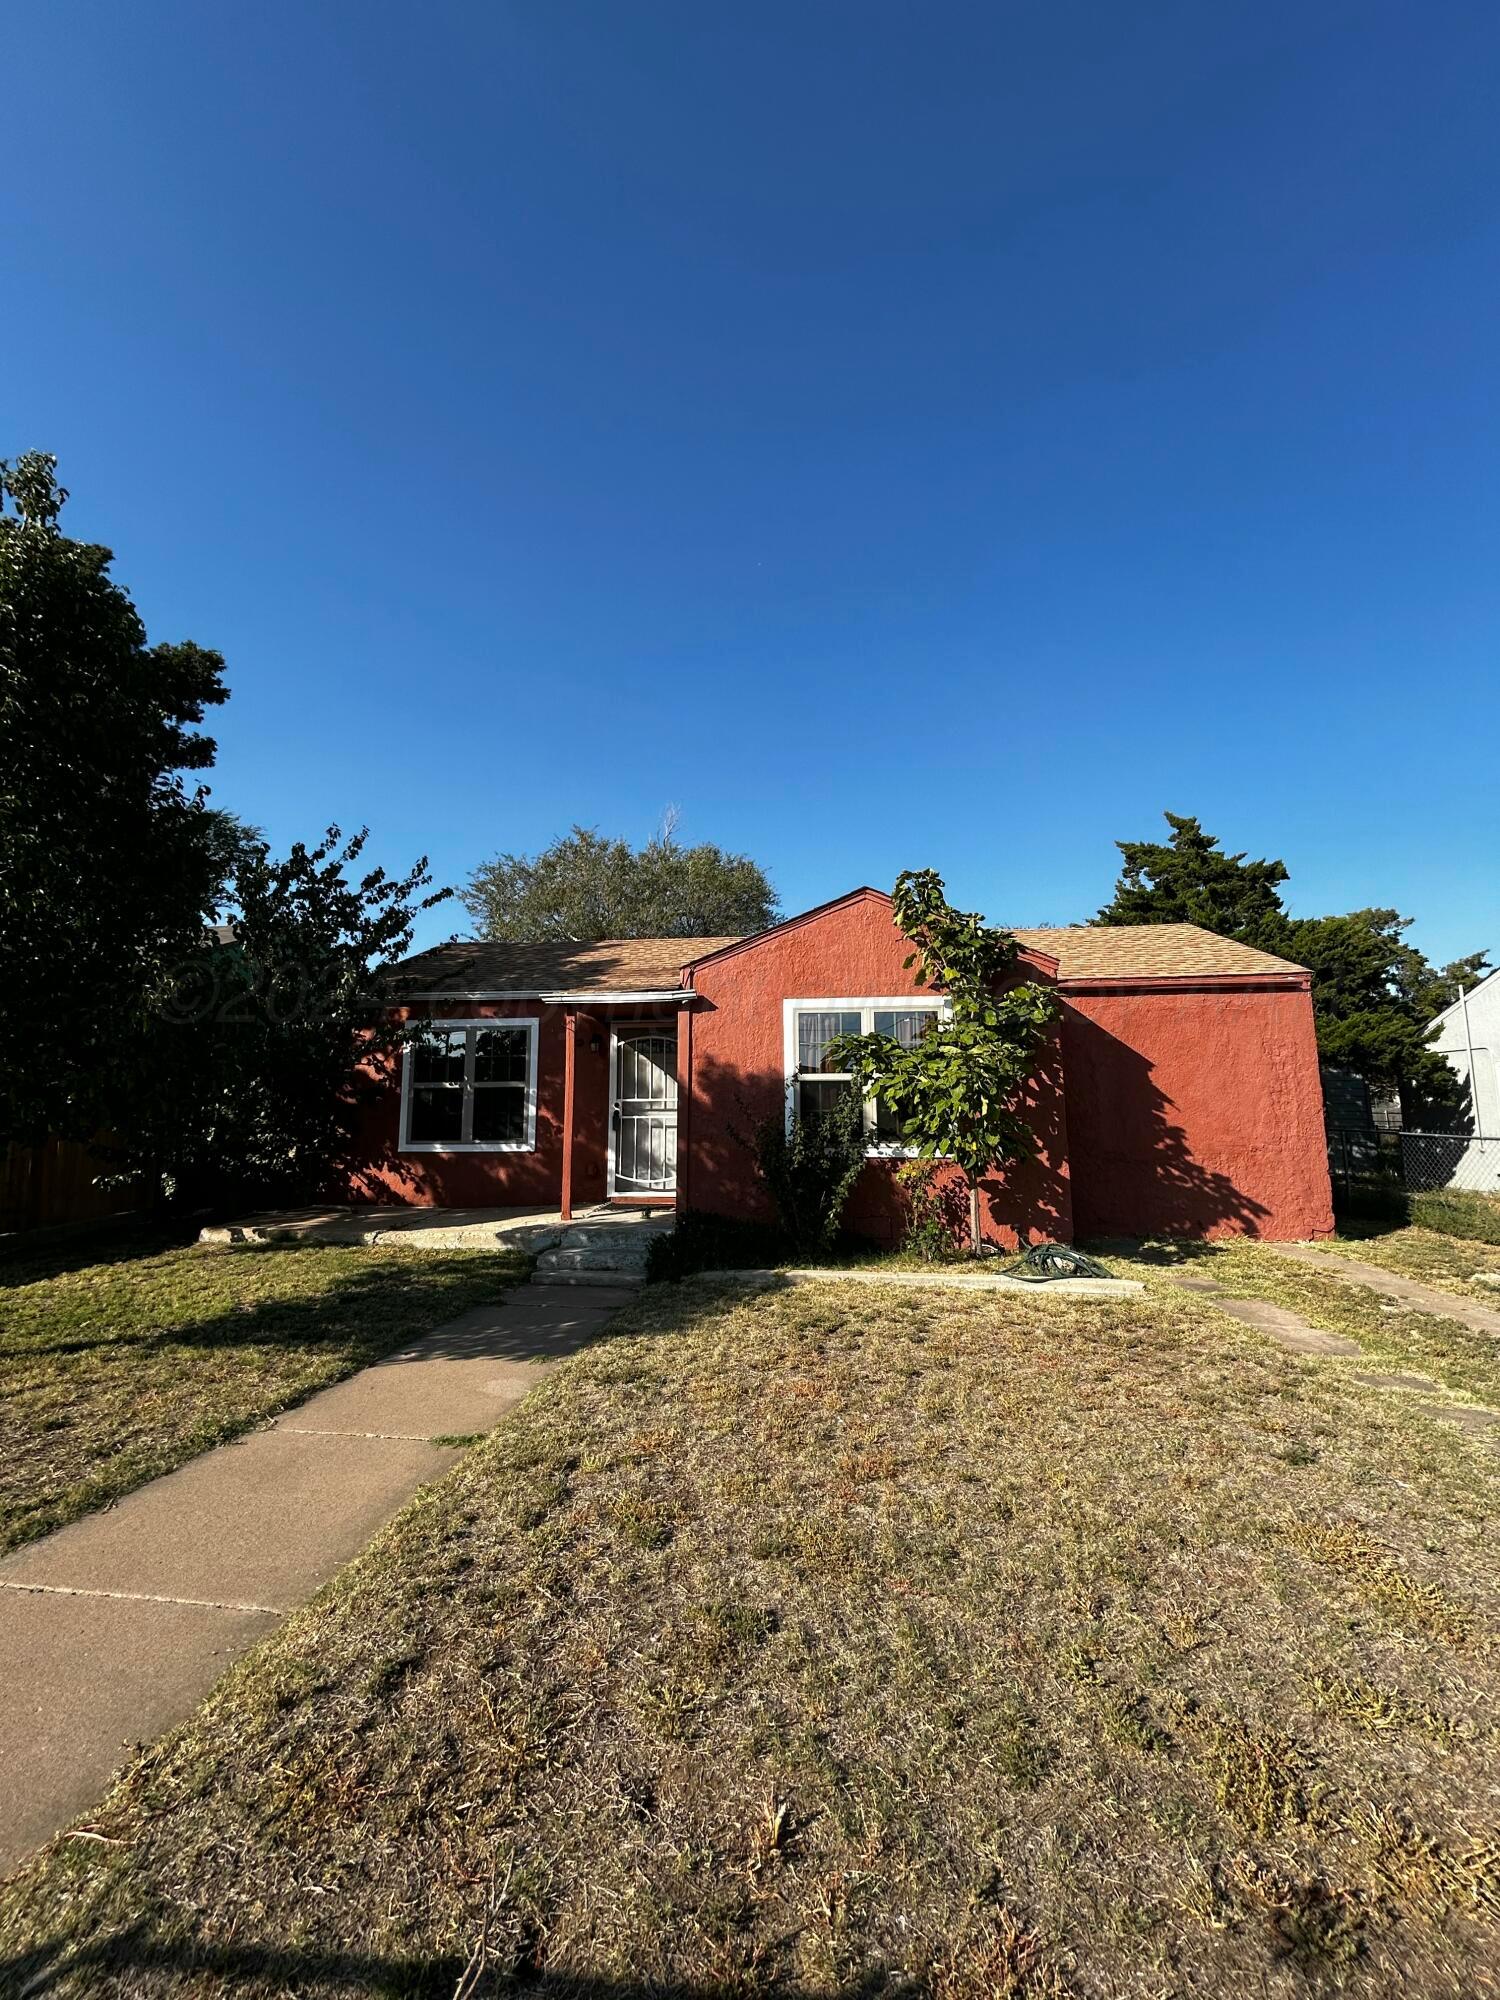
point(611, 997)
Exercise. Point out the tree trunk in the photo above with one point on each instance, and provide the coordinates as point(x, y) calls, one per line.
point(973, 1218)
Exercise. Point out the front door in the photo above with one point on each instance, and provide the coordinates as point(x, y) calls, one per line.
point(643, 1153)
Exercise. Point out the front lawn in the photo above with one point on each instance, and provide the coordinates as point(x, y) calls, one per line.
point(842, 1637)
point(125, 1355)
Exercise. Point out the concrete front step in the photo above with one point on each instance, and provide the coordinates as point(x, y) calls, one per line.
point(594, 1257)
point(598, 1253)
point(631, 1238)
point(617, 1280)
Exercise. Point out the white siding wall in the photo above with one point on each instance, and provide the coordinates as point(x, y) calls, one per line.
point(1451, 1042)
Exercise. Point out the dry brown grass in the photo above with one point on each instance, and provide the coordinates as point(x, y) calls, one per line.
point(1393, 1335)
point(848, 1638)
point(1448, 1263)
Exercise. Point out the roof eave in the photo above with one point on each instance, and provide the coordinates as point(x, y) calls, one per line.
point(1293, 979)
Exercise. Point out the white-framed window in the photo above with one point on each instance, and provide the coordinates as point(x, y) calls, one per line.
point(470, 1087)
point(810, 1025)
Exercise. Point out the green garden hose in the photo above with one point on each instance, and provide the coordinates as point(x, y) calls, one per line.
point(1045, 1261)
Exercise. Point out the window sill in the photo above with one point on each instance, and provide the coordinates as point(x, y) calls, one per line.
point(473, 1146)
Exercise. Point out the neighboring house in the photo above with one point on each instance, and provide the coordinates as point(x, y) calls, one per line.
point(1180, 1094)
point(1467, 1036)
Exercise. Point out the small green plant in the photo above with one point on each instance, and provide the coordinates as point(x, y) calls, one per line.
point(934, 1204)
point(1455, 1213)
point(810, 1170)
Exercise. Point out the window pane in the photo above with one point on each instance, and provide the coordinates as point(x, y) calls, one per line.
point(908, 1026)
point(815, 1097)
point(500, 1114)
point(815, 1031)
point(437, 1114)
point(500, 1055)
point(888, 1126)
point(439, 1058)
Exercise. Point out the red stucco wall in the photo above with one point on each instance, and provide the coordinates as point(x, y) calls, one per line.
point(499, 1180)
point(1163, 1108)
point(853, 951)
point(1195, 1111)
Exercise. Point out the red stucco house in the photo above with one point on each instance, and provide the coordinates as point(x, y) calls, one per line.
point(1180, 1094)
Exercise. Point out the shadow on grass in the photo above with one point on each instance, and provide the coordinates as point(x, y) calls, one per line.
point(1165, 1252)
point(32, 1258)
point(134, 1956)
point(367, 1311)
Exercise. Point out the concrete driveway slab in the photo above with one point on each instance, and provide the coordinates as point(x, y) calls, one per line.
point(86, 1679)
point(264, 1521)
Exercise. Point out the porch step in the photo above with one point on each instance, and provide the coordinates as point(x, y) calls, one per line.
point(589, 1260)
point(614, 1280)
point(599, 1253)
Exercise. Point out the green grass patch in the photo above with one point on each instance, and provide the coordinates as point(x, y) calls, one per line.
point(123, 1356)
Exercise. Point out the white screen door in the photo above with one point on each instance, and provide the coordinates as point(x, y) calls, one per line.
point(645, 1112)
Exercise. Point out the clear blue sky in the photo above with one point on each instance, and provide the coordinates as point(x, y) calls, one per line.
point(896, 435)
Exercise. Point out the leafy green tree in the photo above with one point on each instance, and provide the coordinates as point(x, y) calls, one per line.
point(960, 1089)
point(1189, 879)
point(585, 886)
point(1375, 997)
point(250, 1072)
point(1374, 994)
point(110, 864)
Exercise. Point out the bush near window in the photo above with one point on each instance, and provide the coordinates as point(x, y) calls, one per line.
point(959, 1091)
point(934, 1220)
point(810, 1171)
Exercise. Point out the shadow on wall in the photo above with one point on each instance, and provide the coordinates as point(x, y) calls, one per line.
point(730, 1103)
point(1134, 1172)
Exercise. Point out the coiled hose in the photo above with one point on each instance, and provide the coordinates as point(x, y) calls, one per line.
point(1045, 1261)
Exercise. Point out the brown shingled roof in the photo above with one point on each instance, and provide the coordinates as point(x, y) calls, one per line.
point(504, 965)
point(635, 965)
point(1149, 951)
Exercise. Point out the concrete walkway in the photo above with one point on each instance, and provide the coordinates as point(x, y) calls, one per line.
point(939, 1280)
point(115, 1628)
point(1290, 1330)
point(1411, 1291)
point(530, 1229)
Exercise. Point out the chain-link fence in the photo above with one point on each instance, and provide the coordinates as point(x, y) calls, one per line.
point(1370, 1167)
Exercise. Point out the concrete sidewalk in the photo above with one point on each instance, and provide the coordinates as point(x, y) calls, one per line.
point(1410, 1291)
point(115, 1628)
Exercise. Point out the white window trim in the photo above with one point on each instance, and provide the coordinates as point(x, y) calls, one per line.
point(527, 1143)
point(867, 1008)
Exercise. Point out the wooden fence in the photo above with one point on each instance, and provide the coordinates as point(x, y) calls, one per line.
point(54, 1182)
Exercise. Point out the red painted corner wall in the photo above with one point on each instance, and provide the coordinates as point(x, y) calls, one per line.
point(1196, 1112)
point(851, 951)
